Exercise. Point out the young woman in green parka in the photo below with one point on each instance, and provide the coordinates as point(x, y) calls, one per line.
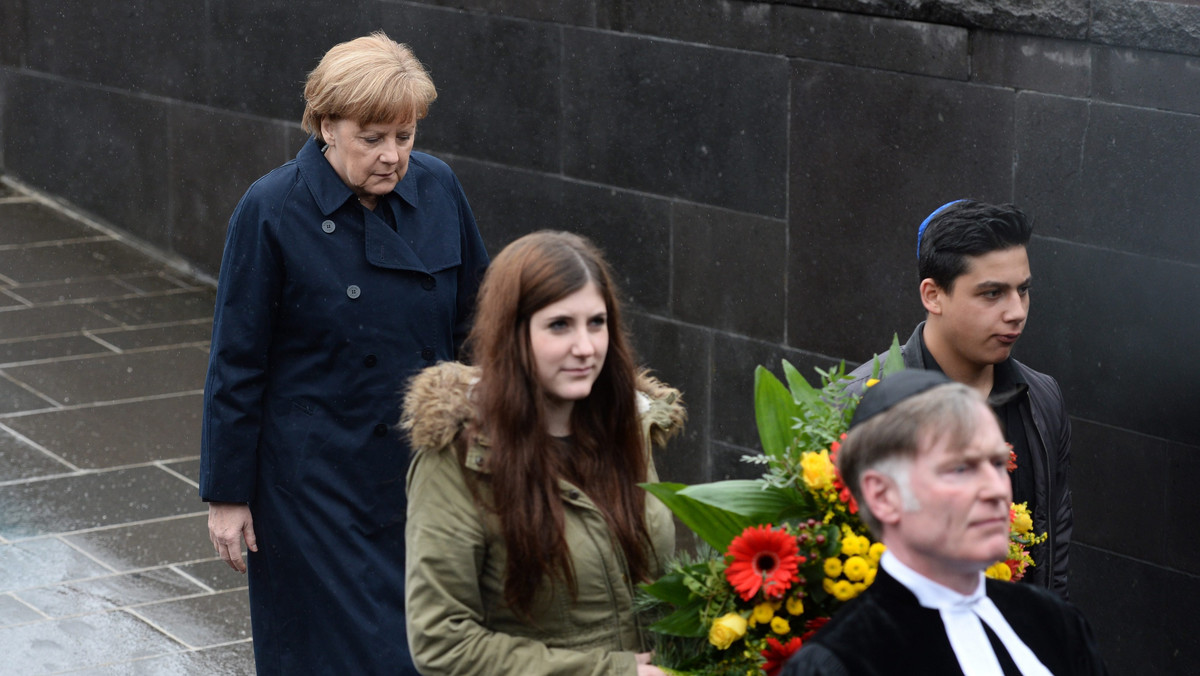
point(527, 531)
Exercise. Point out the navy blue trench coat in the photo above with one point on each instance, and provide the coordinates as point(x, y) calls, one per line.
point(323, 312)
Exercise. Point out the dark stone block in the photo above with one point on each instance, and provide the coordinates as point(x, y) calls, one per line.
point(632, 229)
point(707, 125)
point(498, 84)
point(13, 34)
point(260, 53)
point(1099, 324)
point(862, 180)
point(1027, 62)
point(1143, 616)
point(205, 185)
point(1101, 521)
point(1166, 25)
point(141, 45)
point(97, 145)
point(1056, 18)
point(1182, 476)
point(728, 270)
point(1110, 176)
point(734, 361)
point(33, 223)
point(727, 462)
point(1147, 79)
point(595, 13)
point(681, 356)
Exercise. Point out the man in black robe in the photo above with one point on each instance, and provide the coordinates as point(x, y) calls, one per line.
point(927, 463)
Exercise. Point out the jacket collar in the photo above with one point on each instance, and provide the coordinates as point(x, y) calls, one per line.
point(329, 190)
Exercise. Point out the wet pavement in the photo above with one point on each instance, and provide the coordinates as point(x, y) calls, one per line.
point(105, 565)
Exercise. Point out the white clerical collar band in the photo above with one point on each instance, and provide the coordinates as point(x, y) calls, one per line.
point(961, 616)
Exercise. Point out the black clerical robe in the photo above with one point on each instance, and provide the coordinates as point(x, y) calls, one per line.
point(886, 631)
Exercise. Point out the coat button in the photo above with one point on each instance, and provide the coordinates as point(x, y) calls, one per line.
point(370, 360)
point(574, 495)
point(353, 291)
point(427, 354)
point(328, 226)
point(428, 283)
point(380, 430)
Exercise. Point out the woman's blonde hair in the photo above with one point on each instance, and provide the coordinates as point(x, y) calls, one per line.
point(370, 80)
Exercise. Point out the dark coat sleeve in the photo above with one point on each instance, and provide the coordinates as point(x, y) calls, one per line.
point(815, 660)
point(243, 323)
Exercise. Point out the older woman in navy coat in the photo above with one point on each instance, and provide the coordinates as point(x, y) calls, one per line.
point(345, 271)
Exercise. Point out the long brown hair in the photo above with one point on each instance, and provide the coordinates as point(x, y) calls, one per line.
point(607, 459)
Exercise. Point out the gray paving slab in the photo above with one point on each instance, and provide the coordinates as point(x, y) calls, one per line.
point(57, 646)
point(14, 397)
point(100, 437)
point(73, 259)
point(200, 621)
point(20, 460)
point(43, 562)
point(189, 333)
point(114, 377)
point(164, 280)
point(71, 291)
point(93, 500)
point(147, 545)
point(171, 306)
point(51, 320)
point(31, 222)
point(231, 660)
point(106, 593)
point(13, 611)
point(215, 574)
point(37, 349)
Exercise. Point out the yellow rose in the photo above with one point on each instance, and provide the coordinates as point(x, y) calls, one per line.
point(1022, 521)
point(843, 590)
point(833, 567)
point(795, 606)
point(856, 568)
point(876, 551)
point(725, 630)
point(872, 382)
point(999, 571)
point(818, 470)
point(780, 626)
point(763, 613)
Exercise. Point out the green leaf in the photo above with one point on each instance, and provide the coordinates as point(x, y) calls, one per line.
point(754, 500)
point(895, 360)
point(775, 411)
point(716, 526)
point(683, 622)
point(669, 588)
point(802, 392)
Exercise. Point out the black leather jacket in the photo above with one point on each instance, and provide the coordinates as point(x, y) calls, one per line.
point(1050, 446)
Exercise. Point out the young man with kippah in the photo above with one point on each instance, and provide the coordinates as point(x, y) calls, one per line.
point(928, 465)
point(975, 282)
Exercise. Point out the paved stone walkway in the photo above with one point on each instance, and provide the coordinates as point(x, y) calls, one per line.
point(105, 564)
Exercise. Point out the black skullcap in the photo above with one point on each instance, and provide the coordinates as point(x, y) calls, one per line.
point(894, 389)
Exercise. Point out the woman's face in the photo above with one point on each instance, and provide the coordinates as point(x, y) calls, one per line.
point(569, 338)
point(371, 159)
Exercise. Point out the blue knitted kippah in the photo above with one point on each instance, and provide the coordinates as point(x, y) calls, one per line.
point(925, 223)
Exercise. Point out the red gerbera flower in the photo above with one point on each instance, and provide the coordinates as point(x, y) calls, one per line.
point(812, 626)
point(777, 654)
point(763, 558)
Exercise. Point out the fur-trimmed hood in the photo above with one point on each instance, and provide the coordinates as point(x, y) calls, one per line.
point(437, 406)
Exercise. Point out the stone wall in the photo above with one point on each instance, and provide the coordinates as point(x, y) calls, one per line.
point(756, 171)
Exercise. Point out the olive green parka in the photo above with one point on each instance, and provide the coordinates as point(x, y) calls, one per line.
point(458, 621)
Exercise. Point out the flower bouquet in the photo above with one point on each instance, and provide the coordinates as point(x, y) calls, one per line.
point(782, 553)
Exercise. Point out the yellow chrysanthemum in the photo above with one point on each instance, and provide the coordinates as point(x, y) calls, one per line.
point(999, 571)
point(1022, 521)
point(870, 577)
point(855, 568)
point(763, 613)
point(795, 606)
point(780, 625)
point(843, 590)
point(833, 567)
point(855, 545)
point(818, 470)
point(726, 630)
point(876, 551)
point(827, 585)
